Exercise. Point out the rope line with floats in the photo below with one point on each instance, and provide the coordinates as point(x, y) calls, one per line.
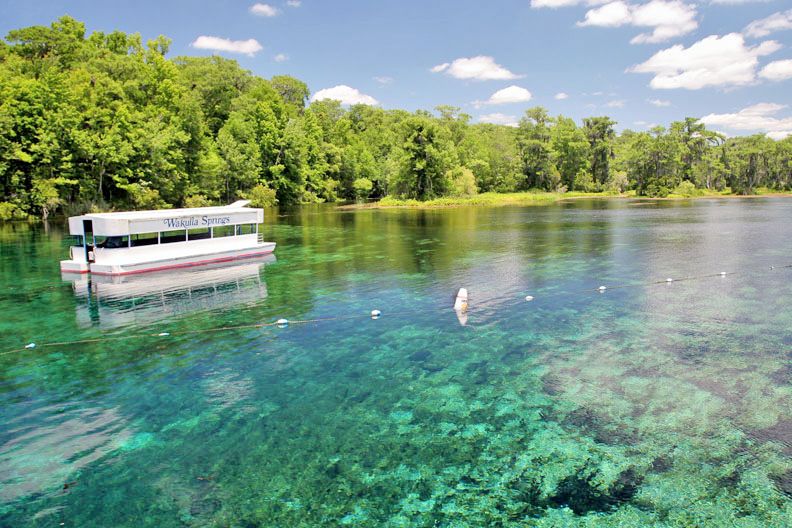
point(461, 307)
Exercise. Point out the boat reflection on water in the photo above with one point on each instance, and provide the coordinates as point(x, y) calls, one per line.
point(114, 301)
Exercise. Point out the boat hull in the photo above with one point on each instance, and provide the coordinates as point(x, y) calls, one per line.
point(188, 261)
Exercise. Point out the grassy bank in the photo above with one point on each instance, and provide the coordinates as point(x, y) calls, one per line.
point(541, 198)
point(490, 199)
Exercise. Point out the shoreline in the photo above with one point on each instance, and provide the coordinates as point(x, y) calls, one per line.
point(536, 199)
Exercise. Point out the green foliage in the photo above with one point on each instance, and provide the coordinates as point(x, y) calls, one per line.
point(216, 82)
point(362, 187)
point(10, 211)
point(141, 196)
point(100, 121)
point(293, 91)
point(533, 140)
point(584, 182)
point(653, 162)
point(686, 189)
point(618, 183)
point(750, 160)
point(600, 135)
point(197, 200)
point(45, 194)
point(463, 182)
point(261, 196)
point(570, 153)
point(426, 155)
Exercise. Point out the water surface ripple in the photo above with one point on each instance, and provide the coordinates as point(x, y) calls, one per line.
point(661, 405)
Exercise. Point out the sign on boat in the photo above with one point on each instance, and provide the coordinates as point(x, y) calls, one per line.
point(130, 242)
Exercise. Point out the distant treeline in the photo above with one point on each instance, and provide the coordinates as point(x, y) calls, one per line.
point(104, 121)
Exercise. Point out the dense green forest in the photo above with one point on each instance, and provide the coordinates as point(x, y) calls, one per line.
point(103, 121)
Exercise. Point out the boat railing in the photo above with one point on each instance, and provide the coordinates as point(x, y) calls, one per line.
point(261, 238)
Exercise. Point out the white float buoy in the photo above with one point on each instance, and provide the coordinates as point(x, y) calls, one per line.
point(282, 323)
point(163, 334)
point(30, 345)
point(602, 288)
point(669, 279)
point(529, 298)
point(723, 273)
point(375, 314)
point(461, 302)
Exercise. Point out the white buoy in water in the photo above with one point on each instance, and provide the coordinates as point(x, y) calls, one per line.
point(602, 288)
point(529, 298)
point(282, 323)
point(461, 302)
point(669, 279)
point(30, 345)
point(375, 314)
point(723, 274)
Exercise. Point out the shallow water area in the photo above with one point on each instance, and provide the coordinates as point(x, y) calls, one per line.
point(650, 403)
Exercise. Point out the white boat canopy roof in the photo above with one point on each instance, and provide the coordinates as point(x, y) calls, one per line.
point(132, 222)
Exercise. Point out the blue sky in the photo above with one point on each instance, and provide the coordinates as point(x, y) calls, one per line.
point(640, 61)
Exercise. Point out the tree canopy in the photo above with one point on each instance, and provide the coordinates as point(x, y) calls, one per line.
point(104, 121)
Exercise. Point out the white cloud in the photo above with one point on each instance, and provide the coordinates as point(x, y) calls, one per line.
point(480, 68)
point(613, 14)
point(668, 18)
point(616, 103)
point(281, 57)
point(659, 102)
point(759, 117)
point(294, 3)
point(384, 79)
point(508, 95)
point(779, 134)
point(560, 96)
point(499, 119)
point(346, 94)
point(777, 70)
point(712, 61)
point(775, 22)
point(249, 47)
point(264, 10)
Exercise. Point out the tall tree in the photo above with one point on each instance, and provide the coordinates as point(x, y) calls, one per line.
point(293, 91)
point(217, 82)
point(749, 163)
point(426, 157)
point(533, 140)
point(654, 162)
point(570, 150)
point(600, 134)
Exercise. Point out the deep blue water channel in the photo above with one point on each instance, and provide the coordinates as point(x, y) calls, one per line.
point(652, 403)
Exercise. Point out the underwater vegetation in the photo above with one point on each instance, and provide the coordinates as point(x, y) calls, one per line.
point(664, 405)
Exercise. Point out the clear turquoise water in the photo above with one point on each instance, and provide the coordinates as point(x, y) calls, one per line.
point(649, 405)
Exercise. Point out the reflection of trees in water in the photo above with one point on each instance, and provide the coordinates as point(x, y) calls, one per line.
point(441, 242)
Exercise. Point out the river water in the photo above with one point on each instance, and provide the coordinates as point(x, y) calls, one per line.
point(652, 403)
